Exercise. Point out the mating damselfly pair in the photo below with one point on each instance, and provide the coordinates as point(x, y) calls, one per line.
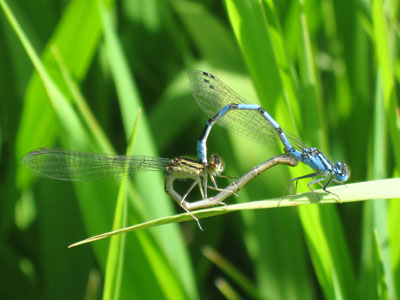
point(225, 107)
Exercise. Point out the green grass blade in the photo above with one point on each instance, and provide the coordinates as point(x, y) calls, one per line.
point(199, 22)
point(381, 287)
point(129, 98)
point(311, 90)
point(325, 236)
point(155, 200)
point(87, 116)
point(175, 96)
point(251, 30)
point(226, 289)
point(259, 38)
point(68, 118)
point(393, 223)
point(116, 250)
point(384, 101)
point(386, 109)
point(363, 191)
point(310, 87)
point(231, 271)
point(76, 37)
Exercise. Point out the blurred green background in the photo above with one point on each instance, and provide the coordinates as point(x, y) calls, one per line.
point(74, 74)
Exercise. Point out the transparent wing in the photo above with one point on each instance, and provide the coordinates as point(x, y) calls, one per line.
point(83, 166)
point(212, 95)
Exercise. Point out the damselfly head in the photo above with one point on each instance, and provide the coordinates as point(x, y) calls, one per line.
point(216, 165)
point(342, 172)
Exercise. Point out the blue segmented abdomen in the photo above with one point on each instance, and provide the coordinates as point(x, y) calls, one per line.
point(213, 95)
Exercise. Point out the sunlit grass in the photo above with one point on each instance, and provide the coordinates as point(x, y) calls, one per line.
point(324, 70)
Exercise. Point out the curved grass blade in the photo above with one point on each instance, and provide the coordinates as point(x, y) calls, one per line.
point(368, 190)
